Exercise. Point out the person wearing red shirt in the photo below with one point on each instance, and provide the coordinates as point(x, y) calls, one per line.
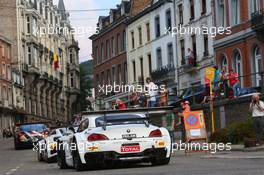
point(234, 82)
point(120, 104)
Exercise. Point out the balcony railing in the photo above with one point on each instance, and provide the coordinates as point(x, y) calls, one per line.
point(257, 20)
point(163, 73)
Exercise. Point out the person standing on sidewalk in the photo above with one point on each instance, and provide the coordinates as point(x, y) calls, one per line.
point(185, 108)
point(170, 124)
point(257, 109)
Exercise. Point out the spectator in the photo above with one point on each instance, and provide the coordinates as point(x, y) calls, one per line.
point(170, 124)
point(120, 104)
point(164, 96)
point(4, 133)
point(151, 89)
point(216, 79)
point(134, 100)
point(185, 108)
point(190, 57)
point(234, 82)
point(223, 83)
point(257, 109)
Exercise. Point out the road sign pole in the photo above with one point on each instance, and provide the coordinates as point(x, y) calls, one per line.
point(212, 107)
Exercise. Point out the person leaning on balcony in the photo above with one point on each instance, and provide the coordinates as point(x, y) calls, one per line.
point(257, 109)
point(151, 89)
point(190, 57)
point(120, 105)
point(223, 82)
point(164, 95)
point(234, 82)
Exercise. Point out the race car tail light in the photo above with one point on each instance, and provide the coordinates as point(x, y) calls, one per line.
point(155, 133)
point(96, 137)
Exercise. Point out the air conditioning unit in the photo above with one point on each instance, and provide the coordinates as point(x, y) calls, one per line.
point(221, 2)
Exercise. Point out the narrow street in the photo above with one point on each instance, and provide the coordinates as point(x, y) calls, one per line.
point(24, 162)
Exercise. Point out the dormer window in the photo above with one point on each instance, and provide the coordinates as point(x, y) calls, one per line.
point(111, 16)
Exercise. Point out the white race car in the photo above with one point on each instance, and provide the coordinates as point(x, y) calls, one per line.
point(107, 139)
point(47, 147)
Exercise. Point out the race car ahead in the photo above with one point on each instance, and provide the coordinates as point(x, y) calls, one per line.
point(112, 138)
point(47, 147)
point(27, 134)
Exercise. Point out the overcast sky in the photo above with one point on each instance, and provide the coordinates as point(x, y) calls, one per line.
point(87, 19)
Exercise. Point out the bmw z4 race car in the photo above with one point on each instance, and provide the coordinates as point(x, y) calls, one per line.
point(108, 139)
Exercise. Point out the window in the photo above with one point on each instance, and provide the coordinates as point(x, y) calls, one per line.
point(168, 20)
point(40, 8)
point(4, 70)
point(221, 13)
point(107, 49)
point(113, 75)
point(159, 58)
point(124, 41)
point(235, 12)
point(224, 62)
point(257, 65)
point(237, 63)
point(206, 52)
point(28, 25)
point(141, 71)
point(108, 77)
point(180, 14)
point(113, 46)
point(29, 55)
point(117, 43)
point(140, 35)
point(46, 12)
point(71, 56)
point(72, 80)
point(150, 64)
point(102, 52)
point(102, 78)
point(125, 72)
point(203, 7)
point(51, 18)
point(96, 55)
point(170, 55)
point(132, 39)
point(254, 6)
point(148, 31)
point(134, 71)
point(191, 9)
point(119, 74)
point(157, 26)
point(182, 52)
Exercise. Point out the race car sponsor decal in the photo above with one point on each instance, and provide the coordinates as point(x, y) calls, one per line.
point(130, 148)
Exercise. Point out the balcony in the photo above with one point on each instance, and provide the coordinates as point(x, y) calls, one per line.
point(257, 21)
point(33, 69)
point(189, 65)
point(163, 73)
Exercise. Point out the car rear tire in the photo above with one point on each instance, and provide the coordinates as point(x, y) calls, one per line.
point(40, 157)
point(157, 162)
point(61, 160)
point(77, 163)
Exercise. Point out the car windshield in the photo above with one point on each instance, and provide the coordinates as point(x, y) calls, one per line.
point(120, 120)
point(63, 130)
point(33, 127)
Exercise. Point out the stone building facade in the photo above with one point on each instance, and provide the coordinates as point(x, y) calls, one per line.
point(45, 60)
point(191, 14)
point(243, 49)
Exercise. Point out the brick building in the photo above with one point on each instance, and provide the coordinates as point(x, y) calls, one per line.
point(6, 107)
point(109, 52)
point(243, 49)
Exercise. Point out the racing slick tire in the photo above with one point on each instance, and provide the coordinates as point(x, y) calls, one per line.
point(40, 157)
point(157, 162)
point(61, 159)
point(77, 163)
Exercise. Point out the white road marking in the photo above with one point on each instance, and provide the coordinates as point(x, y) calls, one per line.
point(13, 170)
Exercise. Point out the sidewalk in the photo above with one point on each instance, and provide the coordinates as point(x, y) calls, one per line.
point(241, 148)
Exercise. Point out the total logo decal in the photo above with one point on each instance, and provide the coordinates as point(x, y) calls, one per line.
point(134, 148)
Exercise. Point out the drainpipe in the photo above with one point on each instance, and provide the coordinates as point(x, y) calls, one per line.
point(176, 45)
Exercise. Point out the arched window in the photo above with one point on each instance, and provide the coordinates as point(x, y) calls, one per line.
point(237, 63)
point(257, 65)
point(224, 62)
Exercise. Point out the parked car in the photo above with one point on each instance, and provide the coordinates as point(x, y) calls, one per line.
point(112, 138)
point(27, 134)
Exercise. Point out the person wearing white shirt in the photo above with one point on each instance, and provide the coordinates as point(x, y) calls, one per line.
point(152, 93)
point(257, 109)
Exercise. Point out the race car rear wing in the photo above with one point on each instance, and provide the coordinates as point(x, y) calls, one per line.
point(146, 121)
